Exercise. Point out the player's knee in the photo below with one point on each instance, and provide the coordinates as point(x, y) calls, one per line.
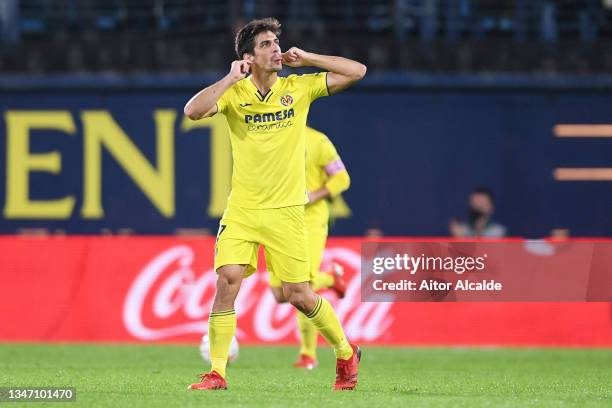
point(230, 275)
point(226, 285)
point(229, 279)
point(299, 295)
point(298, 300)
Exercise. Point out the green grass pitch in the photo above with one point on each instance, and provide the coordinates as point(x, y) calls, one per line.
point(158, 375)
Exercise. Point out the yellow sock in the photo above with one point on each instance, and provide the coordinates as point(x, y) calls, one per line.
point(324, 318)
point(308, 335)
point(221, 330)
point(322, 280)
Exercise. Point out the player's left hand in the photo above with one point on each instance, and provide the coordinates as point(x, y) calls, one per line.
point(311, 197)
point(295, 57)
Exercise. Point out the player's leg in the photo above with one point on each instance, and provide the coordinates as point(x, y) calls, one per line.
point(221, 326)
point(331, 278)
point(322, 280)
point(308, 342)
point(317, 237)
point(235, 258)
point(222, 319)
point(286, 242)
point(309, 335)
point(321, 314)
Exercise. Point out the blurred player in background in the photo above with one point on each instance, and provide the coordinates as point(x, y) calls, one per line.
point(267, 117)
point(326, 177)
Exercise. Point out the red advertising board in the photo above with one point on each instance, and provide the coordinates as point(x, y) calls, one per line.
point(143, 289)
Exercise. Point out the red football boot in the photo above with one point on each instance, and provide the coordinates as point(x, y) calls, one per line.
point(346, 371)
point(210, 381)
point(306, 362)
point(339, 286)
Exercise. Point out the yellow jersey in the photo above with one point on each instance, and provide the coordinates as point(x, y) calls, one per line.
point(267, 133)
point(320, 152)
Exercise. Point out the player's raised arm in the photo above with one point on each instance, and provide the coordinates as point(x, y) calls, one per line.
point(204, 103)
point(343, 72)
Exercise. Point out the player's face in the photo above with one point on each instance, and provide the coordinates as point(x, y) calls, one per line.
point(267, 52)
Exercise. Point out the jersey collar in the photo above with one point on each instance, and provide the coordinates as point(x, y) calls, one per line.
point(266, 97)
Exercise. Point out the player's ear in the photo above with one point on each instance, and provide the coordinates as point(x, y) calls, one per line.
point(249, 57)
point(245, 57)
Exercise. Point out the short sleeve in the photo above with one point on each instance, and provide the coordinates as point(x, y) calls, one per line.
point(316, 84)
point(327, 152)
point(225, 100)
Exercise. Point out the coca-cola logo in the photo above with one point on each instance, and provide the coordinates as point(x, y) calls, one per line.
point(168, 299)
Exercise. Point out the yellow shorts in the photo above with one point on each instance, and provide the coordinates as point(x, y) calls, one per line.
point(282, 232)
point(317, 237)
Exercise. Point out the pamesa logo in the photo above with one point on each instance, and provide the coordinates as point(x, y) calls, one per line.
point(269, 117)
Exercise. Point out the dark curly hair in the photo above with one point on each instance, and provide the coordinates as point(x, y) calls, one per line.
point(245, 39)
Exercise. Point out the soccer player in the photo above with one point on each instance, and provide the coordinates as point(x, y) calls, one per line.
point(267, 116)
point(326, 177)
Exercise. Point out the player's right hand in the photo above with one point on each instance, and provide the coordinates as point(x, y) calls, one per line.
point(239, 69)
